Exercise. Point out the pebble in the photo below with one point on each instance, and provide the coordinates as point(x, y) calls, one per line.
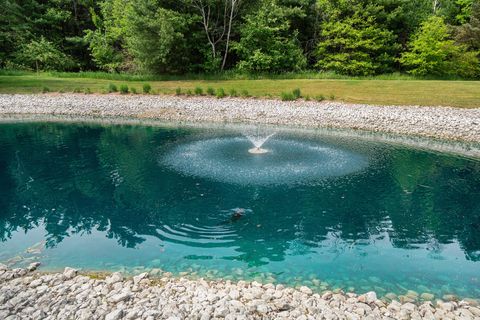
point(25, 293)
point(69, 273)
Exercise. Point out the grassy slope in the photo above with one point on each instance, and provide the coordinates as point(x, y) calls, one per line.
point(395, 92)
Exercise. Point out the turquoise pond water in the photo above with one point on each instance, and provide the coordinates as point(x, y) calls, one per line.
point(317, 209)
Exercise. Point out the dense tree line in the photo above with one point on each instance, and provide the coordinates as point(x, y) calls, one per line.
point(353, 37)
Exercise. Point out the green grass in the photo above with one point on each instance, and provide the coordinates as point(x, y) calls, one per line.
point(226, 75)
point(373, 91)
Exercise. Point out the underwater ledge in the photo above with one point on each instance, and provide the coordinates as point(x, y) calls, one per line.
point(463, 148)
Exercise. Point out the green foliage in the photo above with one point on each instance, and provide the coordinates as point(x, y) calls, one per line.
point(88, 91)
point(154, 36)
point(152, 40)
point(106, 41)
point(267, 43)
point(220, 93)
point(245, 93)
point(297, 93)
point(77, 90)
point(178, 91)
point(147, 88)
point(43, 55)
point(210, 91)
point(287, 96)
point(123, 89)
point(332, 96)
point(233, 93)
point(432, 51)
point(189, 92)
point(112, 88)
point(198, 91)
point(469, 33)
point(45, 89)
point(133, 90)
point(464, 9)
point(320, 97)
point(352, 41)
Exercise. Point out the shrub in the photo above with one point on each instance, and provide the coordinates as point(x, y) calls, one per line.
point(198, 91)
point(210, 91)
point(147, 88)
point(178, 91)
point(320, 97)
point(112, 88)
point(134, 90)
point(233, 93)
point(189, 92)
point(45, 89)
point(287, 96)
point(220, 93)
point(297, 93)
point(123, 89)
point(42, 55)
point(244, 93)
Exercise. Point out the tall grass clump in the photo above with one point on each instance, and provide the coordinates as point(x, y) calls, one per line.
point(297, 93)
point(245, 93)
point(178, 91)
point(88, 91)
point(45, 89)
point(221, 93)
point(189, 92)
point(77, 90)
point(320, 97)
point(112, 88)
point(134, 90)
point(147, 88)
point(287, 96)
point(332, 97)
point(210, 91)
point(198, 91)
point(123, 89)
point(233, 93)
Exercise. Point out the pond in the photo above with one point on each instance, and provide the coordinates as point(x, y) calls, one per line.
point(329, 211)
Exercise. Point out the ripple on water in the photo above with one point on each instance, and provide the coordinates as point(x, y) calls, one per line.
point(287, 162)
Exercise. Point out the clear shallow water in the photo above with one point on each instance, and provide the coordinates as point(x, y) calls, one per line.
point(318, 210)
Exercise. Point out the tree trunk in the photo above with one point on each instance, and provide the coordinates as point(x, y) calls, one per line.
point(232, 8)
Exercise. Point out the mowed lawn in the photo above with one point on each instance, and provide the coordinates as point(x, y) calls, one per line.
point(464, 94)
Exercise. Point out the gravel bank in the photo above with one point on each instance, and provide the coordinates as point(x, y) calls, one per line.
point(26, 294)
point(438, 122)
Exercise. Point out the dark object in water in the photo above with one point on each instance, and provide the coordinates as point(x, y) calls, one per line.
point(237, 214)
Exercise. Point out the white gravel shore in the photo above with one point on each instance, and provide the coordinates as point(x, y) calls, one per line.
point(26, 294)
point(437, 122)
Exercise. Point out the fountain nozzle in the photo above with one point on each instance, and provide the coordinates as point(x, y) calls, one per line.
point(257, 150)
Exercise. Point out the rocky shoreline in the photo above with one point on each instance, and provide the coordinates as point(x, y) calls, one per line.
point(432, 122)
point(29, 294)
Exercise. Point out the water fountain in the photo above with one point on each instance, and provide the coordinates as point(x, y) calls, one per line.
point(290, 160)
point(258, 141)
